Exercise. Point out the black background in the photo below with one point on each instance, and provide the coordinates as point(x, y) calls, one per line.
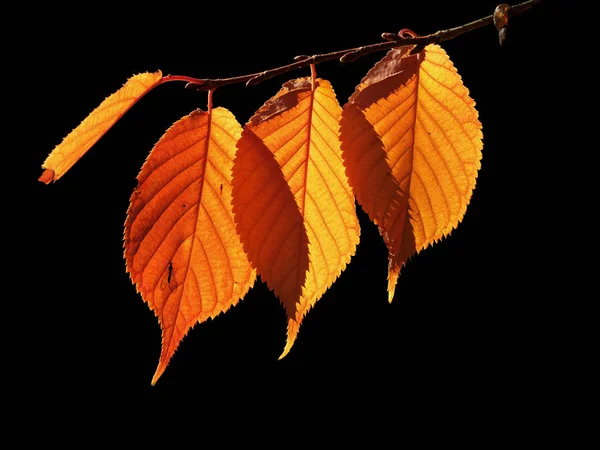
point(473, 316)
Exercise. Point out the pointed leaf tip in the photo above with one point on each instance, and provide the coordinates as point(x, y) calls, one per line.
point(292, 332)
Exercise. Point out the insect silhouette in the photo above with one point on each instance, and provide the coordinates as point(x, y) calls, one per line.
point(167, 278)
point(170, 274)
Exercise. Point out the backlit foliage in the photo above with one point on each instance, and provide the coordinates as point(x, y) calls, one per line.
point(218, 205)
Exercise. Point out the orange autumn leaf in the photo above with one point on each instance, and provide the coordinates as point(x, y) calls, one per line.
point(181, 247)
point(411, 142)
point(293, 206)
point(96, 124)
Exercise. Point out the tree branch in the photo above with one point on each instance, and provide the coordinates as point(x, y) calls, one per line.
point(402, 39)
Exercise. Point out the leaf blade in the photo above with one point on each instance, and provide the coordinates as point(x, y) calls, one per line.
point(299, 127)
point(181, 248)
point(268, 220)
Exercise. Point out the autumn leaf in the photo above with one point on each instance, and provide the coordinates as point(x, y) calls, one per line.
point(293, 206)
point(411, 142)
point(96, 124)
point(182, 250)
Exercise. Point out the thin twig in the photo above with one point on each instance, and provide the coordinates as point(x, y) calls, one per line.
point(348, 55)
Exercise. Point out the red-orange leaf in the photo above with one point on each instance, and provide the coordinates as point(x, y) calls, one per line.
point(411, 141)
point(181, 247)
point(293, 206)
point(96, 124)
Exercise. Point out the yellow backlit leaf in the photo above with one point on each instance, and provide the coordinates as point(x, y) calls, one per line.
point(293, 206)
point(411, 142)
point(96, 124)
point(181, 247)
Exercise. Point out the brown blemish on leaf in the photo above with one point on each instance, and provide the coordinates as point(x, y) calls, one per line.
point(285, 99)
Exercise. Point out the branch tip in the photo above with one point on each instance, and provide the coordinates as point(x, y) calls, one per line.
point(502, 35)
point(501, 15)
point(404, 38)
point(500, 19)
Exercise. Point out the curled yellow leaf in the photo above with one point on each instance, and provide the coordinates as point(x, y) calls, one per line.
point(96, 124)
